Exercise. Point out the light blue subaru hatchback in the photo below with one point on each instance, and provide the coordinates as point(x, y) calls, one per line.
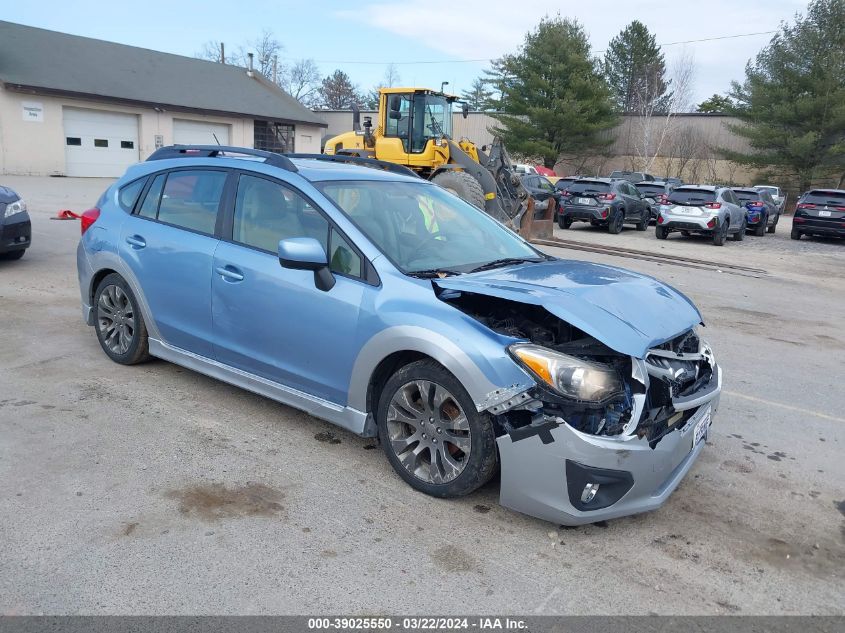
point(355, 291)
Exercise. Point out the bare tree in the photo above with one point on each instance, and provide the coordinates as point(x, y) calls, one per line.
point(653, 123)
point(301, 81)
point(686, 144)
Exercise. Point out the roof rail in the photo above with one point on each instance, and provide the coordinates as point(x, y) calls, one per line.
point(359, 160)
point(213, 151)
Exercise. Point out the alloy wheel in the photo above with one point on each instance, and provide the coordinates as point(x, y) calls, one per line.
point(428, 431)
point(116, 319)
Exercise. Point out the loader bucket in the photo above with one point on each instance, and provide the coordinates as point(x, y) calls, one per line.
point(538, 224)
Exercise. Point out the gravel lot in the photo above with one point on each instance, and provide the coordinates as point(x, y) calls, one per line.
point(154, 490)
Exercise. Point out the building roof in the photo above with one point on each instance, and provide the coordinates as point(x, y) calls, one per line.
point(48, 62)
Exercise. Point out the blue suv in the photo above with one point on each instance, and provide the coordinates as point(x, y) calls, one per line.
point(368, 297)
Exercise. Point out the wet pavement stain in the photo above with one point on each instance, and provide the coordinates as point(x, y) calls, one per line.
point(327, 437)
point(211, 502)
point(776, 456)
point(452, 559)
point(129, 528)
point(481, 509)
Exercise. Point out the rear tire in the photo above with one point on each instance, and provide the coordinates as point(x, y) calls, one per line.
point(564, 222)
point(795, 234)
point(405, 414)
point(740, 235)
point(13, 255)
point(719, 234)
point(462, 185)
point(661, 233)
point(774, 226)
point(118, 322)
point(614, 225)
point(760, 229)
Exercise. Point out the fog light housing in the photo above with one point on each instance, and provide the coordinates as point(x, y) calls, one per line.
point(604, 213)
point(712, 223)
point(589, 493)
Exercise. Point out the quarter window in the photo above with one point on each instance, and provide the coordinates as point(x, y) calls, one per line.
point(190, 199)
point(149, 208)
point(267, 212)
point(128, 195)
point(343, 259)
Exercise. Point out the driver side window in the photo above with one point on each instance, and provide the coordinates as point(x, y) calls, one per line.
point(398, 121)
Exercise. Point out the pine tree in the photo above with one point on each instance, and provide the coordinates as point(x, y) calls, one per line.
point(337, 92)
point(552, 100)
point(715, 104)
point(792, 102)
point(478, 96)
point(636, 71)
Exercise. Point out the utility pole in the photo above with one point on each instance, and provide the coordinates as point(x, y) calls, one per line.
point(275, 66)
point(222, 53)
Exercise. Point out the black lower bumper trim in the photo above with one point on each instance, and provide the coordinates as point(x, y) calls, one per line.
point(613, 484)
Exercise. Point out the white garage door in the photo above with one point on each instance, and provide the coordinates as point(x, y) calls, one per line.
point(99, 143)
point(187, 132)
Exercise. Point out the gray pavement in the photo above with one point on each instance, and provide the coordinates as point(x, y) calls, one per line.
point(155, 490)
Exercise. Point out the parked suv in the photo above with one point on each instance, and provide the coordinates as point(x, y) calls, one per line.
point(383, 303)
point(541, 190)
point(704, 210)
point(604, 202)
point(632, 176)
point(820, 212)
point(15, 225)
point(656, 193)
point(762, 213)
point(778, 195)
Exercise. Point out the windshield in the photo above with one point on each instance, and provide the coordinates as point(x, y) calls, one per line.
point(421, 227)
point(649, 189)
point(432, 116)
point(692, 196)
point(588, 186)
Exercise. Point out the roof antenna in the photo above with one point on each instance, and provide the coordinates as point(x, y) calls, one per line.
point(216, 140)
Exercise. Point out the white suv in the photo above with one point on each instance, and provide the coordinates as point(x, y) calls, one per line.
point(703, 209)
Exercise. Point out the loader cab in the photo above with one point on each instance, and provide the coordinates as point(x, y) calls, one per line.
point(416, 117)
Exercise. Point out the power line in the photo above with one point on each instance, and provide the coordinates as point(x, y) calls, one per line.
point(487, 59)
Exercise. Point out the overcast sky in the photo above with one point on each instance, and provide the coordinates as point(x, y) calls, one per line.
point(443, 33)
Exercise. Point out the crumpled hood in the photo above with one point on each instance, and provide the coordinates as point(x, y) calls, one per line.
point(626, 311)
point(7, 195)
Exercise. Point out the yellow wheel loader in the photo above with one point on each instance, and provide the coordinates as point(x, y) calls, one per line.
point(414, 129)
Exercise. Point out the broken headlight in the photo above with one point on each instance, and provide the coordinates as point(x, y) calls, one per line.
point(567, 375)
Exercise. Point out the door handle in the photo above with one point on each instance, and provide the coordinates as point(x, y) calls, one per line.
point(229, 273)
point(136, 241)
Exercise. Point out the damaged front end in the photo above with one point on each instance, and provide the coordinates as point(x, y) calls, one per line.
point(602, 433)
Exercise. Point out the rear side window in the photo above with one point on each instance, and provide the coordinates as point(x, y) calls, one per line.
point(691, 196)
point(149, 208)
point(128, 194)
point(588, 186)
point(831, 198)
point(190, 199)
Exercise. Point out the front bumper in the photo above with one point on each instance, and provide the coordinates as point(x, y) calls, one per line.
point(15, 233)
point(544, 470)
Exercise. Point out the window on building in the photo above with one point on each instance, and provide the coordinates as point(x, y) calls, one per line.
point(101, 142)
point(190, 199)
point(73, 140)
point(127, 144)
point(273, 137)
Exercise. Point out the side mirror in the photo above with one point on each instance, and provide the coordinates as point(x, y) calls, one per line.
point(395, 116)
point(465, 109)
point(306, 253)
point(395, 103)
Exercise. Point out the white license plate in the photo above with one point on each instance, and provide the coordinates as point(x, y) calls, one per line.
point(701, 427)
point(683, 211)
point(584, 201)
point(824, 214)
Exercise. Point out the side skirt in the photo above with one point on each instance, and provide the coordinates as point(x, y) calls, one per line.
point(351, 419)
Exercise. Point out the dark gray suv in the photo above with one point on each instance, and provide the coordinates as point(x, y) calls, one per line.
point(604, 202)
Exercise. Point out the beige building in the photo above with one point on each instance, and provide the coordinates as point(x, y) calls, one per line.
point(75, 106)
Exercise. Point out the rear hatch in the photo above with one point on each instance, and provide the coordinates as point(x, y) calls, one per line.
point(589, 193)
point(825, 206)
point(650, 191)
point(751, 199)
point(692, 201)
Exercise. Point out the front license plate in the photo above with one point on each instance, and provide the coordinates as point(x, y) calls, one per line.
point(584, 201)
point(701, 428)
point(824, 214)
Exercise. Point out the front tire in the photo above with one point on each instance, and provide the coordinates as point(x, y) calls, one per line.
point(795, 234)
point(719, 234)
point(432, 434)
point(642, 225)
point(118, 322)
point(12, 255)
point(614, 226)
point(462, 185)
point(740, 235)
point(774, 226)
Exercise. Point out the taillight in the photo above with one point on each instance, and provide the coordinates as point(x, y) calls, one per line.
point(87, 219)
point(713, 205)
point(660, 219)
point(806, 205)
point(606, 196)
point(755, 204)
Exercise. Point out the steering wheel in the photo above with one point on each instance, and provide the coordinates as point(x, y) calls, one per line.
point(424, 241)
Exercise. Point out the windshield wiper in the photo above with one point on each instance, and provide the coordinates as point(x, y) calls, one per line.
point(505, 261)
point(433, 273)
